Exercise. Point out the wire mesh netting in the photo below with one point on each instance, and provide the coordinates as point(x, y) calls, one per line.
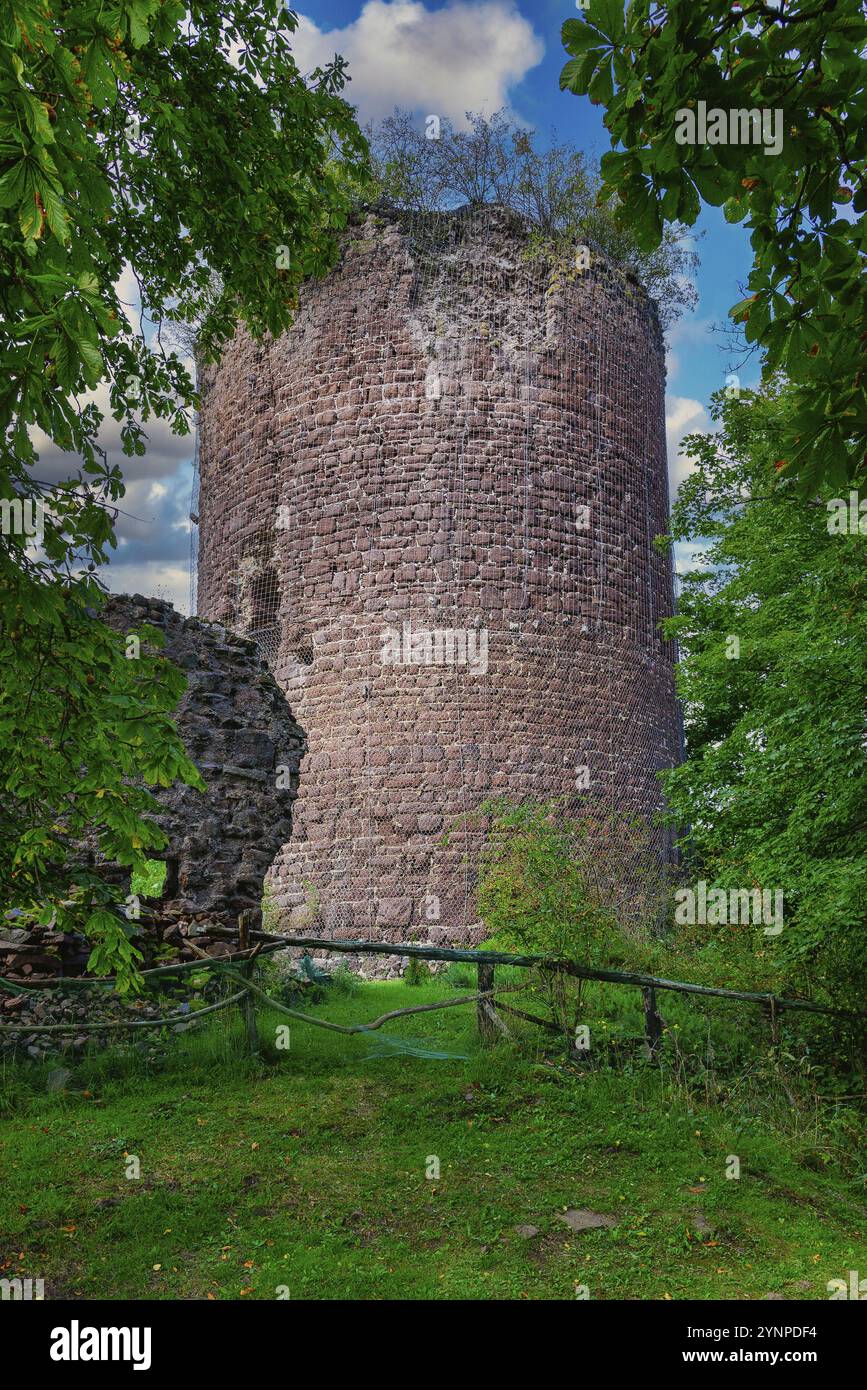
point(433, 504)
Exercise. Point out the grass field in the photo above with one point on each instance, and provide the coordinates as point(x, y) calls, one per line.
point(304, 1176)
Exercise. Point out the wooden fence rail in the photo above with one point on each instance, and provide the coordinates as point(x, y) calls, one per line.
point(567, 967)
point(252, 944)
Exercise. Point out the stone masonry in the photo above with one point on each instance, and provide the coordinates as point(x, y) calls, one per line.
point(239, 731)
point(433, 503)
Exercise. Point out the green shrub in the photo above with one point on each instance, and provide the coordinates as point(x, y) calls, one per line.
point(416, 972)
point(536, 895)
point(149, 881)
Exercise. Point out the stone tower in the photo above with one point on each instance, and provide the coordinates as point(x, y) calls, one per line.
point(433, 503)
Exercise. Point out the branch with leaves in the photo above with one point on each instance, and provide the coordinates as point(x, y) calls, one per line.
point(803, 203)
point(181, 143)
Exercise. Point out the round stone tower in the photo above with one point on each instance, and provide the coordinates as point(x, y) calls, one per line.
point(433, 502)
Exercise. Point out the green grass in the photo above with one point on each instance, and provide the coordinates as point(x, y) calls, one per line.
point(306, 1173)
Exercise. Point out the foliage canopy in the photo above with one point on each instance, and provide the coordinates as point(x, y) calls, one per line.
point(554, 188)
point(774, 788)
point(179, 141)
point(804, 204)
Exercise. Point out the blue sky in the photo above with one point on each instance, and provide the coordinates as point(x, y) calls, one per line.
point(447, 56)
point(700, 359)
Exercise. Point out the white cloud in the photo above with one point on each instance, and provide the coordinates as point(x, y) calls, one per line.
point(130, 298)
point(682, 416)
point(691, 555)
point(164, 451)
point(684, 333)
point(154, 580)
point(152, 525)
point(464, 57)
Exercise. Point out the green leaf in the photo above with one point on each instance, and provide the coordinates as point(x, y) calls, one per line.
point(578, 72)
point(742, 307)
point(98, 74)
point(138, 14)
point(31, 218)
point(735, 209)
point(608, 15)
point(602, 86)
point(14, 184)
point(54, 212)
point(578, 37)
point(711, 182)
point(92, 359)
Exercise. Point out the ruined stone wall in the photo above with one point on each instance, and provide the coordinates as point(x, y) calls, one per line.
point(238, 729)
point(458, 436)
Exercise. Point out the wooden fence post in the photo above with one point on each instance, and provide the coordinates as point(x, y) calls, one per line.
point(769, 1009)
point(484, 1008)
point(246, 1005)
point(652, 1021)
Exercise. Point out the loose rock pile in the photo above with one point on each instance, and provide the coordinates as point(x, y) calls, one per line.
point(77, 1008)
